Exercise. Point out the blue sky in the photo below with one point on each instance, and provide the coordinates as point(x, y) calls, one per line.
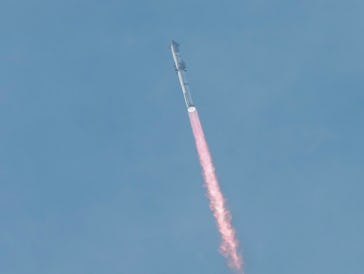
point(98, 170)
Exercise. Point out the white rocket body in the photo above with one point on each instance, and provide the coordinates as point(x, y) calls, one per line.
point(180, 67)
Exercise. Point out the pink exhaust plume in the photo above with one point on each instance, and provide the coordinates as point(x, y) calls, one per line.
point(229, 244)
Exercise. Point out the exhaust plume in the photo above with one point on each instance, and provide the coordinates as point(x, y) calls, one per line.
point(229, 243)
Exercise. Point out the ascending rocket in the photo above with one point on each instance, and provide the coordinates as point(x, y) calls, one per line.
point(180, 67)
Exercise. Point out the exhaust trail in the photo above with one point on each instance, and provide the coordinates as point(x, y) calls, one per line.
point(229, 244)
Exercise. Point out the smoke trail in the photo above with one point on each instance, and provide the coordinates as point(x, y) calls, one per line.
point(229, 244)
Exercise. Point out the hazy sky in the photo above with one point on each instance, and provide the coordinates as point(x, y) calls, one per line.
point(98, 169)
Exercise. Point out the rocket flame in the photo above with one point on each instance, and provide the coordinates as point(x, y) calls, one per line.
point(229, 244)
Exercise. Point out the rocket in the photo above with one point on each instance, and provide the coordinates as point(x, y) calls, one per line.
point(180, 68)
point(229, 244)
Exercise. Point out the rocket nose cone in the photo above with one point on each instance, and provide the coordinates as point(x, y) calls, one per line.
point(174, 45)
